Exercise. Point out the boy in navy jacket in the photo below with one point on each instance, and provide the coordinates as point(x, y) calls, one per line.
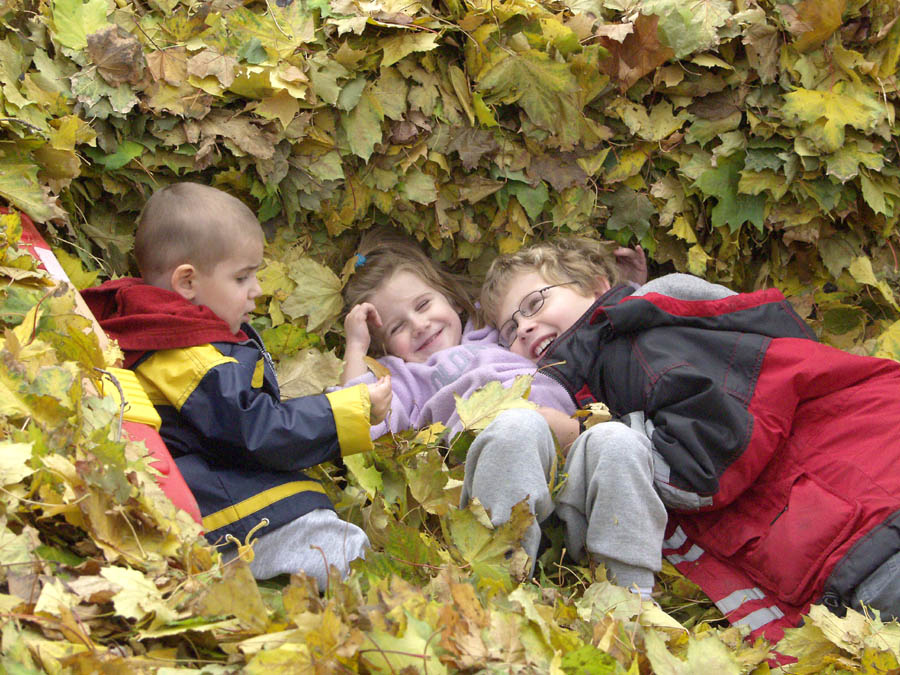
point(183, 329)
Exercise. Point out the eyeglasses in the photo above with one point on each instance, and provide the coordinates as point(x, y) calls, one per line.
point(531, 304)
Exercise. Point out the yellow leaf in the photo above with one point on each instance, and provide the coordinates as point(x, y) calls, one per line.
point(486, 403)
point(682, 229)
point(832, 110)
point(75, 271)
point(861, 271)
point(14, 462)
point(697, 260)
point(317, 296)
point(630, 162)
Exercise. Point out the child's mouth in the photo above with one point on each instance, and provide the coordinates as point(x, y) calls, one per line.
point(430, 340)
point(541, 346)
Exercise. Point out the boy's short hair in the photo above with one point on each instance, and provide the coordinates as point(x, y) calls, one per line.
point(558, 260)
point(189, 223)
point(382, 253)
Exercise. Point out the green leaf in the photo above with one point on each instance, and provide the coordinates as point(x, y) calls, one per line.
point(861, 271)
point(544, 88)
point(74, 20)
point(252, 51)
point(365, 473)
point(532, 199)
point(412, 649)
point(731, 209)
point(127, 151)
point(19, 184)
point(689, 27)
point(418, 186)
point(363, 126)
point(629, 210)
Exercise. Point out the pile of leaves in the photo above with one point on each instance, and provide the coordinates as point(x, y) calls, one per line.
point(100, 572)
point(747, 141)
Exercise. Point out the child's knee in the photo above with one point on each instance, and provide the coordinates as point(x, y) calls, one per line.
point(516, 421)
point(613, 442)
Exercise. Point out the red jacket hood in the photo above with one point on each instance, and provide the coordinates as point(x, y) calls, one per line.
point(143, 318)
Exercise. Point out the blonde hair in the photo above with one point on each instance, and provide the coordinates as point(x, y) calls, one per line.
point(383, 253)
point(190, 223)
point(558, 260)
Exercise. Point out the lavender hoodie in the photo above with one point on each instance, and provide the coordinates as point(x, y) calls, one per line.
point(423, 392)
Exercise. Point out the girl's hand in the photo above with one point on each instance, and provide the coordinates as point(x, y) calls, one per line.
point(356, 327)
point(632, 264)
point(380, 398)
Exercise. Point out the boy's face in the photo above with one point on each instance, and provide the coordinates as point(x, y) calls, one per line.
point(231, 288)
point(417, 320)
point(562, 306)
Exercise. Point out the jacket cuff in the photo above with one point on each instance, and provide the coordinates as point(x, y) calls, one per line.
point(351, 408)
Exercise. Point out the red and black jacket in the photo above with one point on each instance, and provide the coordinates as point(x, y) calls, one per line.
point(781, 453)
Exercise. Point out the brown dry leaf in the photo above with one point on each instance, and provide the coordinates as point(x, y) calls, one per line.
point(210, 63)
point(638, 54)
point(168, 65)
point(118, 55)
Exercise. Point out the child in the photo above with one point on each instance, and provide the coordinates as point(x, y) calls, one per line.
point(410, 309)
point(777, 457)
point(183, 330)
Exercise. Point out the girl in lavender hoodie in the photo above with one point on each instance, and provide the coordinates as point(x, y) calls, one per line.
point(406, 307)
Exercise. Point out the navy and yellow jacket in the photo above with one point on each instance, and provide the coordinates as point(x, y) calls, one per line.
point(240, 448)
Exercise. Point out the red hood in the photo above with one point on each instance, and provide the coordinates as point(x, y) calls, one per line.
point(144, 318)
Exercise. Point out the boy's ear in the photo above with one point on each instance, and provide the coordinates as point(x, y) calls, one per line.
point(182, 281)
point(601, 285)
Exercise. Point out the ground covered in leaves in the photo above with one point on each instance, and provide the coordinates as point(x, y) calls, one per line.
point(100, 572)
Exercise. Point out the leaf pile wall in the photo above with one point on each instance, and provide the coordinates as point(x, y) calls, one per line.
point(748, 142)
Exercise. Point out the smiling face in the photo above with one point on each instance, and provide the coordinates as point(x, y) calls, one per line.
point(230, 289)
point(417, 320)
point(563, 306)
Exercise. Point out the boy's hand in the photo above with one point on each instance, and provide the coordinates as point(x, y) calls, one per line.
point(380, 398)
point(356, 326)
point(632, 264)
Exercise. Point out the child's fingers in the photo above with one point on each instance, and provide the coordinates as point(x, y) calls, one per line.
point(372, 315)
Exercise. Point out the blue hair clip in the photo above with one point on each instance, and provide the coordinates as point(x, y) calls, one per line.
point(360, 260)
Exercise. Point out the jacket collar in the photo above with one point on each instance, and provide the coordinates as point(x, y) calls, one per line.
point(573, 356)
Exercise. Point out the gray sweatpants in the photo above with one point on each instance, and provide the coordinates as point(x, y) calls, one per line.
point(881, 589)
point(608, 504)
point(312, 543)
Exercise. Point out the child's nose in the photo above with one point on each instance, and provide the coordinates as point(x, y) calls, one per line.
point(255, 288)
point(525, 326)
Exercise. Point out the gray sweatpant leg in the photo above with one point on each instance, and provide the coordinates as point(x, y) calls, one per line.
point(881, 589)
point(312, 543)
point(509, 461)
point(609, 504)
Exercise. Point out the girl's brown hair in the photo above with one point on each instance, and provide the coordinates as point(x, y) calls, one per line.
point(383, 253)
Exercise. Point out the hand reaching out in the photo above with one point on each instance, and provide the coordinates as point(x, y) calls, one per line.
point(380, 398)
point(632, 264)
